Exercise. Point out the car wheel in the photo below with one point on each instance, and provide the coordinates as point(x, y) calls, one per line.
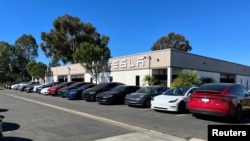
point(182, 107)
point(147, 103)
point(237, 114)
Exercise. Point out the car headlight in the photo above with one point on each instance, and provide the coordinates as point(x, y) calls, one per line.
point(172, 101)
point(108, 96)
point(92, 92)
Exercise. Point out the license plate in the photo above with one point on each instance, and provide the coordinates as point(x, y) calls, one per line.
point(205, 100)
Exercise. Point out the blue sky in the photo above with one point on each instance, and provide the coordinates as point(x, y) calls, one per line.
point(215, 28)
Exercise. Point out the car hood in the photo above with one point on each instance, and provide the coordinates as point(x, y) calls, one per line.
point(166, 98)
point(107, 93)
point(136, 95)
point(91, 90)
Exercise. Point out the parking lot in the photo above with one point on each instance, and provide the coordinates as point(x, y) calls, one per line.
point(30, 116)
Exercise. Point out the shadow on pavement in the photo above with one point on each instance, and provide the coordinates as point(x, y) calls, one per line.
point(14, 139)
point(10, 126)
point(245, 119)
point(4, 110)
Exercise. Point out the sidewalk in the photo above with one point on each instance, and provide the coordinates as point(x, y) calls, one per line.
point(147, 136)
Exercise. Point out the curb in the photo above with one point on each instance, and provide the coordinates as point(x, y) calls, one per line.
point(196, 139)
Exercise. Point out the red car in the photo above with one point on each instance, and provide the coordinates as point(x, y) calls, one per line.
point(54, 89)
point(29, 89)
point(220, 99)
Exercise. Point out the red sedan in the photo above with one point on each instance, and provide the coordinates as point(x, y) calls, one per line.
point(54, 89)
point(220, 99)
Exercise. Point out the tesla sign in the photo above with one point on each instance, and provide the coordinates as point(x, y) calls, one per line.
point(127, 63)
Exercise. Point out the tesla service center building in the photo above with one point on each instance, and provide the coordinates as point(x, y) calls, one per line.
point(164, 65)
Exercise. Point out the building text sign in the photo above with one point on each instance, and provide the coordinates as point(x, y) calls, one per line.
point(127, 63)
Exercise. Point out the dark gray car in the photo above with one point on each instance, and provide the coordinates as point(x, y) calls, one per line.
point(142, 97)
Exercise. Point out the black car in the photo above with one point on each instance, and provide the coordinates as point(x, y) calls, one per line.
point(90, 94)
point(115, 95)
point(142, 97)
point(76, 93)
point(62, 91)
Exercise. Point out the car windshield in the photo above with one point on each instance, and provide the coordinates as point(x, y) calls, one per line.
point(75, 85)
point(100, 86)
point(84, 86)
point(62, 84)
point(118, 88)
point(147, 90)
point(178, 91)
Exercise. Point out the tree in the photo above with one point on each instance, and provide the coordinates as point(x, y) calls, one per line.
point(186, 78)
point(27, 47)
point(25, 50)
point(36, 70)
point(149, 80)
point(65, 37)
point(175, 41)
point(93, 58)
point(207, 80)
point(5, 55)
point(30, 68)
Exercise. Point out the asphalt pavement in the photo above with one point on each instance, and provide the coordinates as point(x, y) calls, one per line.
point(139, 134)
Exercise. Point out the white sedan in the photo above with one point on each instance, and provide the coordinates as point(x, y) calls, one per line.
point(174, 99)
point(45, 91)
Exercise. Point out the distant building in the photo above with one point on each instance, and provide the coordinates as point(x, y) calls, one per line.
point(165, 65)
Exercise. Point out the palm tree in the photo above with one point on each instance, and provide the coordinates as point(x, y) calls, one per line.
point(187, 78)
point(149, 80)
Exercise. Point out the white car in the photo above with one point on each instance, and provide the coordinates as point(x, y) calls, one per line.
point(45, 91)
point(15, 86)
point(34, 88)
point(174, 99)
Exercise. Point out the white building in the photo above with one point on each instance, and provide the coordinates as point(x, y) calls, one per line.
point(165, 65)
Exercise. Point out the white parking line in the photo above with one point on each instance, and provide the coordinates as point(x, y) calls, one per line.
point(180, 115)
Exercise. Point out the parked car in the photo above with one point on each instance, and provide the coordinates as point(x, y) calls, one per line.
point(142, 97)
point(38, 90)
point(174, 99)
point(116, 95)
point(36, 86)
point(62, 92)
point(76, 93)
point(220, 99)
point(22, 86)
point(15, 86)
point(29, 89)
point(90, 94)
point(45, 91)
point(54, 89)
point(8, 86)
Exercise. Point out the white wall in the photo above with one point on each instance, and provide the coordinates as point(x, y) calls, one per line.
point(128, 77)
